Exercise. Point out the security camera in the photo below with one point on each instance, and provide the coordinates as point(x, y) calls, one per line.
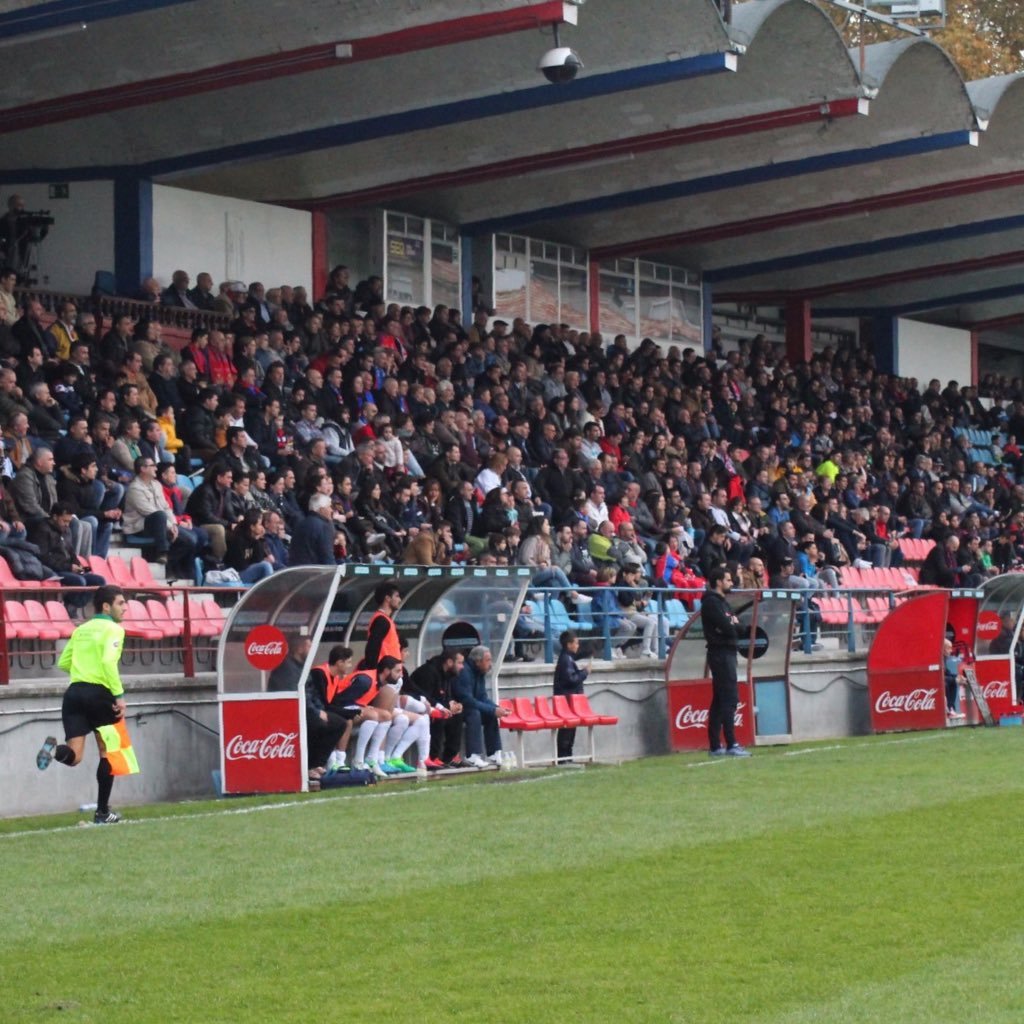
point(560, 65)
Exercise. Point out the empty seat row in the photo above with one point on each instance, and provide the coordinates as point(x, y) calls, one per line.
point(904, 578)
point(977, 438)
point(915, 549)
point(561, 712)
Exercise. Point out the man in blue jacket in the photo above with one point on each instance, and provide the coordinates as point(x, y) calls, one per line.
point(479, 711)
point(313, 539)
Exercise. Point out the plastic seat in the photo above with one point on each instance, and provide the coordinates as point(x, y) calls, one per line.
point(137, 623)
point(142, 575)
point(59, 618)
point(561, 706)
point(852, 578)
point(878, 608)
point(511, 721)
point(580, 703)
point(98, 564)
point(198, 623)
point(7, 578)
point(213, 613)
point(675, 613)
point(120, 573)
point(547, 714)
point(37, 613)
point(161, 619)
point(528, 715)
point(833, 611)
point(26, 627)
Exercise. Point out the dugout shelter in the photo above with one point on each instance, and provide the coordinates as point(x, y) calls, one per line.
point(261, 692)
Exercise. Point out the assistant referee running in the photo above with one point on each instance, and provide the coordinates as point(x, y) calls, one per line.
point(94, 702)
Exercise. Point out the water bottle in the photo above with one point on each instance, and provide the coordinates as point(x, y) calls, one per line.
point(85, 808)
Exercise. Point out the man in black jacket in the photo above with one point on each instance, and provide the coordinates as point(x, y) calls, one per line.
point(721, 638)
point(433, 682)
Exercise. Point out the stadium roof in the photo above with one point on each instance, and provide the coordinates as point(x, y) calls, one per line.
point(761, 153)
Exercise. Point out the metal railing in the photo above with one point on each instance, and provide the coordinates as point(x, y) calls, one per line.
point(29, 646)
point(847, 619)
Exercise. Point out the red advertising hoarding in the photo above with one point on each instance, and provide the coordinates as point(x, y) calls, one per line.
point(688, 705)
point(993, 675)
point(262, 749)
point(906, 684)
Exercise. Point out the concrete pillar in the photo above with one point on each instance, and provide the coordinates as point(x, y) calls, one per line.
point(798, 330)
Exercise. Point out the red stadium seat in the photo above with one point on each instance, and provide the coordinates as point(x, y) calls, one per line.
point(137, 624)
point(553, 721)
point(581, 705)
point(120, 574)
point(26, 627)
point(59, 618)
point(560, 705)
point(142, 575)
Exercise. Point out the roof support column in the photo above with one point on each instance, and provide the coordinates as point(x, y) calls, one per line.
point(319, 243)
point(594, 294)
point(466, 270)
point(707, 312)
point(133, 232)
point(798, 331)
point(885, 338)
point(975, 337)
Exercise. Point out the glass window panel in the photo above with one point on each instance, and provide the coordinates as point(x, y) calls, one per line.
point(403, 254)
point(572, 293)
point(445, 273)
point(511, 270)
point(617, 305)
point(543, 306)
point(655, 310)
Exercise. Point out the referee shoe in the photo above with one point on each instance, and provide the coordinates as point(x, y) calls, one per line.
point(108, 818)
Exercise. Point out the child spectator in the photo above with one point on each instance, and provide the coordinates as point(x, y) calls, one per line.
point(569, 679)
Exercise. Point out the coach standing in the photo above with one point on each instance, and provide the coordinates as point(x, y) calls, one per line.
point(721, 637)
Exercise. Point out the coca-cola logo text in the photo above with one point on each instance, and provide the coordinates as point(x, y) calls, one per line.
point(278, 746)
point(998, 689)
point(988, 626)
point(265, 648)
point(690, 717)
point(904, 703)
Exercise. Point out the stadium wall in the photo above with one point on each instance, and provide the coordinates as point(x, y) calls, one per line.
point(828, 698)
point(232, 239)
point(925, 351)
point(81, 240)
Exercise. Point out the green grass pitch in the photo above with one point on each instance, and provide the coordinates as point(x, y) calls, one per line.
point(862, 880)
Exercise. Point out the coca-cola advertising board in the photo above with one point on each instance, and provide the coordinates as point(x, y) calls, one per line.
point(995, 677)
point(902, 701)
point(261, 742)
point(688, 705)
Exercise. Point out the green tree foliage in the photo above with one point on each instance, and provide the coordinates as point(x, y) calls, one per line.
point(983, 37)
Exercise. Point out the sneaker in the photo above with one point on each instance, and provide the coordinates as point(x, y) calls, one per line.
point(476, 761)
point(434, 764)
point(109, 818)
point(497, 757)
point(400, 765)
point(618, 654)
point(583, 599)
point(335, 761)
point(720, 752)
point(456, 762)
point(737, 751)
point(379, 770)
point(648, 654)
point(45, 755)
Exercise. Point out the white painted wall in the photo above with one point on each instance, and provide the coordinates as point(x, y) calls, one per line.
point(231, 239)
point(81, 240)
point(927, 350)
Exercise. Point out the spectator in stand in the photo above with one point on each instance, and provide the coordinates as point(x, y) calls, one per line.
point(276, 539)
point(202, 295)
point(207, 507)
point(28, 331)
point(177, 293)
point(89, 500)
point(313, 538)
point(247, 552)
point(62, 333)
point(149, 517)
point(52, 536)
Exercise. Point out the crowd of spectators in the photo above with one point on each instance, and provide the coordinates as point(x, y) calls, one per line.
point(346, 428)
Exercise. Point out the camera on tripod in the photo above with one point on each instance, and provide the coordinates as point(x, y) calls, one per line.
point(34, 224)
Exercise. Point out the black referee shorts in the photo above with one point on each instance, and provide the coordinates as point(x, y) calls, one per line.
point(86, 707)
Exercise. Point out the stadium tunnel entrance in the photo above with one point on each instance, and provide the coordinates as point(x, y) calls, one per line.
point(764, 712)
point(261, 682)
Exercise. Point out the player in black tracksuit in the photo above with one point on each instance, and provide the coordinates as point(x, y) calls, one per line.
point(722, 639)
